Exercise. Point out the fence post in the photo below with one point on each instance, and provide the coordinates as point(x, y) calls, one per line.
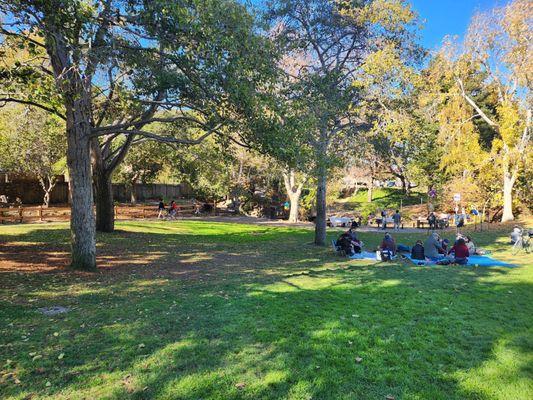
point(41, 213)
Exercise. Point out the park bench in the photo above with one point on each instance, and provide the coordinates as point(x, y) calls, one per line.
point(421, 223)
point(389, 221)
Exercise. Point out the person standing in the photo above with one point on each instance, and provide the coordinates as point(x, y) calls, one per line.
point(161, 209)
point(384, 220)
point(432, 220)
point(397, 218)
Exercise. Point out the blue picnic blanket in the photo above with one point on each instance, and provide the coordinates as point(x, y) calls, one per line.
point(364, 255)
point(480, 261)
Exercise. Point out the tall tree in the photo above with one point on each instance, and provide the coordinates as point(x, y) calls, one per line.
point(390, 82)
point(201, 55)
point(32, 142)
point(332, 39)
point(499, 41)
point(294, 183)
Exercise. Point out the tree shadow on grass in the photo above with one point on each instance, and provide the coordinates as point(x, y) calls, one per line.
point(277, 317)
point(419, 331)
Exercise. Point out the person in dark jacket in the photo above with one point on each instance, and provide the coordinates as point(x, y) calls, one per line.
point(383, 219)
point(445, 243)
point(432, 220)
point(356, 243)
point(161, 209)
point(417, 252)
point(349, 243)
point(460, 252)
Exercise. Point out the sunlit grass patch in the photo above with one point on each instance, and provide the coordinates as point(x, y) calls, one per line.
point(196, 310)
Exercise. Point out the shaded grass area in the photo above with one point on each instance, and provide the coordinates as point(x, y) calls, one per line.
point(195, 310)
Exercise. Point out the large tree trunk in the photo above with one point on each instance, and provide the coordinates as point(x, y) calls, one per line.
point(293, 191)
point(82, 221)
point(105, 210)
point(370, 190)
point(47, 188)
point(405, 184)
point(104, 166)
point(320, 223)
point(293, 212)
point(133, 194)
point(508, 183)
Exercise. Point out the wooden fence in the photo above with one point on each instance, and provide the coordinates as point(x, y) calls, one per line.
point(54, 214)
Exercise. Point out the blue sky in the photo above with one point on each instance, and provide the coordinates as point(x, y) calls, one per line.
point(441, 17)
point(448, 17)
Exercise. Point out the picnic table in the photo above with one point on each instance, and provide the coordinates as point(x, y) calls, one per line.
point(422, 222)
point(388, 221)
point(340, 221)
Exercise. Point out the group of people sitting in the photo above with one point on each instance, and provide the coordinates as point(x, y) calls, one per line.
point(433, 248)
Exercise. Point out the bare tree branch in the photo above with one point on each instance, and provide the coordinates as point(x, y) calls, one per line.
point(476, 107)
point(170, 139)
point(32, 103)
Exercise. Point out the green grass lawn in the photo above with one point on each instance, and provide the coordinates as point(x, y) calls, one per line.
point(196, 310)
point(383, 198)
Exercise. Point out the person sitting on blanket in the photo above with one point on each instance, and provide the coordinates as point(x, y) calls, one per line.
point(472, 248)
point(417, 252)
point(433, 247)
point(460, 252)
point(388, 245)
point(445, 244)
point(357, 244)
point(349, 243)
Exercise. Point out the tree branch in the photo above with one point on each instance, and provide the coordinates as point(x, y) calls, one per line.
point(118, 127)
point(20, 35)
point(169, 139)
point(32, 103)
point(476, 107)
point(121, 153)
